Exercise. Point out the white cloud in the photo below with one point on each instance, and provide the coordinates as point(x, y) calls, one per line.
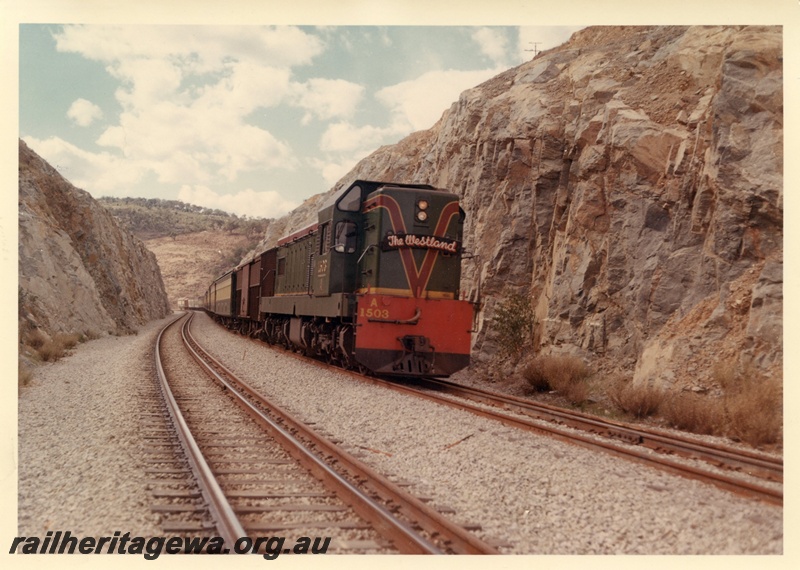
point(202, 49)
point(493, 44)
point(417, 104)
point(332, 172)
point(344, 137)
point(247, 148)
point(249, 202)
point(244, 87)
point(84, 112)
point(328, 98)
point(344, 144)
point(148, 81)
point(97, 173)
point(187, 92)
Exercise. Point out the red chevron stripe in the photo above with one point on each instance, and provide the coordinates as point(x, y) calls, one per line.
point(417, 277)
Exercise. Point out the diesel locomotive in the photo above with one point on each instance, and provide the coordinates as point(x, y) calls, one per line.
point(373, 285)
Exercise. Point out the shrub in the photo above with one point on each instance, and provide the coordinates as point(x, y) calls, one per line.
point(536, 375)
point(640, 401)
point(89, 334)
point(513, 320)
point(35, 339)
point(698, 414)
point(752, 415)
point(753, 411)
point(54, 349)
point(51, 351)
point(566, 375)
point(68, 341)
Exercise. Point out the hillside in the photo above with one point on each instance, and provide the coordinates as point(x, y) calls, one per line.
point(190, 261)
point(149, 218)
point(628, 185)
point(79, 273)
point(193, 245)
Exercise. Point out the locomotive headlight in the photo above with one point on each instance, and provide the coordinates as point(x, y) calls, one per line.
point(422, 204)
point(422, 216)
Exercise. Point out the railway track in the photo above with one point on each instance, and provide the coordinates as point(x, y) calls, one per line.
point(745, 473)
point(245, 484)
point(751, 463)
point(636, 443)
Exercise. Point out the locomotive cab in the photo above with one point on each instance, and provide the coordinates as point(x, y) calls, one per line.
point(337, 266)
point(334, 266)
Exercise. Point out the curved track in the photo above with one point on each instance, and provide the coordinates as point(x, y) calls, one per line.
point(740, 460)
point(419, 529)
point(637, 443)
point(746, 473)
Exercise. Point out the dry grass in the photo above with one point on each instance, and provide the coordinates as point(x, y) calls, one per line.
point(566, 375)
point(694, 413)
point(50, 349)
point(639, 401)
point(35, 339)
point(754, 412)
point(536, 375)
point(69, 341)
point(749, 410)
point(89, 335)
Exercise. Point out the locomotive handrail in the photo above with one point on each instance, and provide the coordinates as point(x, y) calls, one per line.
point(369, 247)
point(412, 321)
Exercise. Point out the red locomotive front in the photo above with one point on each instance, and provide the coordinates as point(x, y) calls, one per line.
point(413, 335)
point(409, 320)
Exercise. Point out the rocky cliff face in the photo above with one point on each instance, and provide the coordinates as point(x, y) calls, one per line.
point(629, 182)
point(78, 272)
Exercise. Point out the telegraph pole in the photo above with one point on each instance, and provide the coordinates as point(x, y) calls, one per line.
point(534, 50)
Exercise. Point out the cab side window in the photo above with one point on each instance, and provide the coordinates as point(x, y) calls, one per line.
point(346, 236)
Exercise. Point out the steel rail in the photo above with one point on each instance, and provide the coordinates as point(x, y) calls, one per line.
point(733, 484)
point(754, 464)
point(736, 485)
point(402, 534)
point(226, 521)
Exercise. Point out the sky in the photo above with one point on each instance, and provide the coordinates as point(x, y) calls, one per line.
point(247, 119)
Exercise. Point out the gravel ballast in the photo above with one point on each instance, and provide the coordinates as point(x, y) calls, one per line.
point(79, 446)
point(78, 468)
point(535, 494)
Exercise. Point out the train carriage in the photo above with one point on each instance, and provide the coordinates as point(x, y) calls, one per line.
point(220, 295)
